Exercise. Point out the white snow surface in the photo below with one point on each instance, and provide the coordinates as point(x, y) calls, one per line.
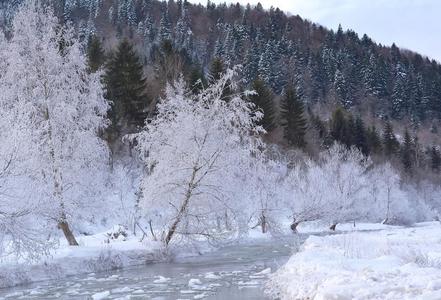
point(96, 253)
point(392, 263)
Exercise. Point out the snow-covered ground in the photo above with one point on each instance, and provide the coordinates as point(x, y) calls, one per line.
point(392, 263)
point(96, 253)
point(100, 252)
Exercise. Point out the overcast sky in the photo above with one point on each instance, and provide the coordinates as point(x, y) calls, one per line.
point(411, 24)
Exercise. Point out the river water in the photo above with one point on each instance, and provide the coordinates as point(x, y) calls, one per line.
point(233, 272)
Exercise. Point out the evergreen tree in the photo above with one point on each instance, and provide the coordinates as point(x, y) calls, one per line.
point(265, 66)
point(390, 142)
point(95, 54)
point(338, 126)
point(319, 126)
point(349, 129)
point(400, 93)
point(341, 88)
point(373, 140)
point(294, 122)
point(360, 136)
point(196, 79)
point(251, 64)
point(125, 87)
point(435, 159)
point(406, 152)
point(183, 32)
point(165, 31)
point(263, 99)
point(216, 70)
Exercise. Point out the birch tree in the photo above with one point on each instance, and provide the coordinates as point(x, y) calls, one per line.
point(58, 111)
point(194, 150)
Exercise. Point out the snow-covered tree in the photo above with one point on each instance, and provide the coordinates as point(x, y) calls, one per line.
point(194, 150)
point(333, 189)
point(387, 202)
point(58, 110)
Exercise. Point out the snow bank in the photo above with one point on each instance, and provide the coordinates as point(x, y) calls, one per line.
point(101, 252)
point(394, 263)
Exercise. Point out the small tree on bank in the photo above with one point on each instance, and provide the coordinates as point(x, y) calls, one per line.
point(193, 151)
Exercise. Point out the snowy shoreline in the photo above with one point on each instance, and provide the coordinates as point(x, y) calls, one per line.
point(93, 255)
point(97, 253)
point(393, 263)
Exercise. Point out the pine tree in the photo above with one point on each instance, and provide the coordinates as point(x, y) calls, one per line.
point(263, 99)
point(406, 152)
point(183, 32)
point(338, 126)
point(294, 122)
point(95, 54)
point(373, 140)
point(196, 79)
point(265, 66)
point(125, 87)
point(165, 31)
point(435, 159)
point(319, 126)
point(349, 137)
point(360, 138)
point(216, 70)
point(251, 64)
point(341, 88)
point(400, 92)
point(390, 142)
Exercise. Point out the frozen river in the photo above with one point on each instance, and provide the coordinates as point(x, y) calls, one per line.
point(233, 272)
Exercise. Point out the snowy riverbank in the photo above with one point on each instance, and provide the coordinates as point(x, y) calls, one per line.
point(99, 252)
point(393, 263)
point(96, 253)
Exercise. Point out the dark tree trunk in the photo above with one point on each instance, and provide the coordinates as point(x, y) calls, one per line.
point(64, 226)
point(263, 223)
point(294, 226)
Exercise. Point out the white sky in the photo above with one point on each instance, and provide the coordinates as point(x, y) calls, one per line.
point(411, 24)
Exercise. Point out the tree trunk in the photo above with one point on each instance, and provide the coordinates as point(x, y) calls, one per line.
point(58, 188)
point(294, 226)
point(183, 208)
point(227, 224)
point(263, 223)
point(64, 226)
point(333, 226)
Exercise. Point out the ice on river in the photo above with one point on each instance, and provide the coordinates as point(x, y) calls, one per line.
point(216, 275)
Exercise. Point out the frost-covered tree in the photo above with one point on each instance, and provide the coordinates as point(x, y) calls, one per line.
point(194, 150)
point(59, 110)
point(387, 202)
point(165, 26)
point(262, 195)
point(334, 189)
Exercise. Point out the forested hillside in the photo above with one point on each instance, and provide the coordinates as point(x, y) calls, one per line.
point(352, 90)
point(328, 66)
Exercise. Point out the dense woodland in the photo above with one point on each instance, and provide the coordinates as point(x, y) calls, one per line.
point(352, 90)
point(209, 120)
